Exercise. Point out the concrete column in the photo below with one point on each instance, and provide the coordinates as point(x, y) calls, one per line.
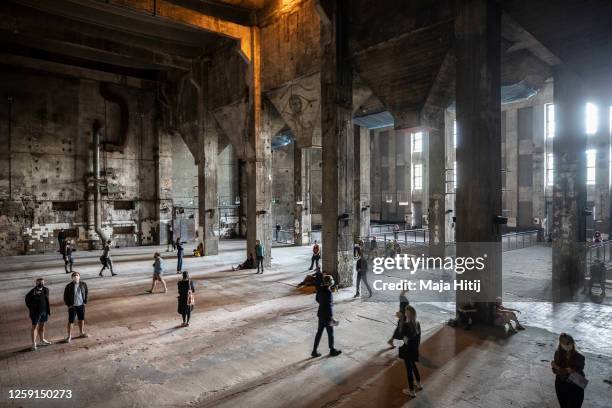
point(437, 183)
point(569, 189)
point(601, 142)
point(337, 142)
point(258, 159)
point(302, 205)
point(361, 183)
point(478, 35)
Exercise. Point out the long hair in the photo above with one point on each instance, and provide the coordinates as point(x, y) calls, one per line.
point(566, 338)
point(410, 313)
point(185, 275)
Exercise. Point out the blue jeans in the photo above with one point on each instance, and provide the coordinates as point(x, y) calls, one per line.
point(179, 263)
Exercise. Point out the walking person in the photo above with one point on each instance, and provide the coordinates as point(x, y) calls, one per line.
point(316, 255)
point(186, 298)
point(568, 366)
point(158, 272)
point(409, 351)
point(362, 274)
point(180, 252)
point(260, 252)
point(278, 228)
point(396, 229)
point(397, 333)
point(68, 258)
point(75, 297)
point(326, 317)
point(37, 301)
point(374, 247)
point(107, 261)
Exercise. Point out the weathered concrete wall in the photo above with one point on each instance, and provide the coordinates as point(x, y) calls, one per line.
point(282, 186)
point(184, 174)
point(51, 160)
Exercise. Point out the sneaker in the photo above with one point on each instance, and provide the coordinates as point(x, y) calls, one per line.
point(34, 348)
point(519, 327)
point(390, 343)
point(356, 295)
point(45, 342)
point(186, 324)
point(335, 352)
point(165, 290)
point(148, 291)
point(113, 274)
point(100, 274)
point(419, 386)
point(512, 330)
point(67, 339)
point(83, 335)
point(315, 354)
point(409, 392)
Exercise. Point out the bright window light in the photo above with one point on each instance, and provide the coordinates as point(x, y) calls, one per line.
point(417, 176)
point(417, 142)
point(549, 120)
point(455, 175)
point(591, 159)
point(592, 118)
point(455, 134)
point(550, 168)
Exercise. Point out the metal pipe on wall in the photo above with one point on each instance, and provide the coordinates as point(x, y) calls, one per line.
point(10, 147)
point(96, 170)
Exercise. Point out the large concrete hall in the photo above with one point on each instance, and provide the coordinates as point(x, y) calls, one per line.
point(193, 193)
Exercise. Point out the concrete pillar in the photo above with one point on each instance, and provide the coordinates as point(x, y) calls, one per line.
point(437, 182)
point(302, 205)
point(337, 142)
point(601, 142)
point(258, 164)
point(569, 188)
point(478, 35)
point(361, 183)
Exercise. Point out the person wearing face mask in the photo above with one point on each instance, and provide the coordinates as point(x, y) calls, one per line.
point(75, 297)
point(37, 301)
point(568, 366)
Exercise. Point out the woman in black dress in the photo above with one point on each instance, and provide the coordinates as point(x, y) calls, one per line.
point(409, 351)
point(185, 298)
point(568, 366)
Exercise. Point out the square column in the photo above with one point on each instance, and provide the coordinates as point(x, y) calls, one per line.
point(258, 163)
point(302, 206)
point(437, 182)
point(361, 183)
point(569, 187)
point(478, 205)
point(337, 142)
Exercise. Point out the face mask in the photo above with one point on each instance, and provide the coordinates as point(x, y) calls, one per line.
point(39, 284)
point(567, 347)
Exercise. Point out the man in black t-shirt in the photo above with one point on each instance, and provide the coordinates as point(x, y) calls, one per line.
point(37, 301)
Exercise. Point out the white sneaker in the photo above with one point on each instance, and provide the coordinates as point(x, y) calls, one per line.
point(45, 342)
point(34, 348)
point(409, 392)
point(419, 387)
point(68, 340)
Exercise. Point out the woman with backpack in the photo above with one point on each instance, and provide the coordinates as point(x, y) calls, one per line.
point(409, 351)
point(186, 298)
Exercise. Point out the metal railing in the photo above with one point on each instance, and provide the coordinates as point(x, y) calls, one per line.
point(601, 251)
point(519, 240)
point(283, 236)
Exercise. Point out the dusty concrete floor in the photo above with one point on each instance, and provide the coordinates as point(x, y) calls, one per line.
point(251, 336)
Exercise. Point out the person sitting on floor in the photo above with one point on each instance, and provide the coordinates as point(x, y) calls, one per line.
point(505, 315)
point(248, 264)
point(465, 312)
point(199, 251)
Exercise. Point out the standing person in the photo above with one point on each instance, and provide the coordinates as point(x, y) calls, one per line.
point(316, 255)
point(75, 297)
point(107, 261)
point(397, 333)
point(278, 228)
point(362, 274)
point(186, 289)
point(598, 276)
point(170, 242)
point(374, 247)
point(37, 301)
point(260, 252)
point(396, 229)
point(568, 366)
point(61, 239)
point(409, 351)
point(180, 252)
point(68, 259)
point(326, 317)
point(158, 272)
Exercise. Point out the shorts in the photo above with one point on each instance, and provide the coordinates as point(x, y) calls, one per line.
point(76, 311)
point(157, 276)
point(37, 318)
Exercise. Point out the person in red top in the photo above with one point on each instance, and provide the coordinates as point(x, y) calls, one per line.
point(316, 255)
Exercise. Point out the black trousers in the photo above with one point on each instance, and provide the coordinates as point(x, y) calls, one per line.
point(568, 394)
point(324, 324)
point(412, 371)
point(259, 262)
point(186, 314)
point(364, 277)
point(314, 259)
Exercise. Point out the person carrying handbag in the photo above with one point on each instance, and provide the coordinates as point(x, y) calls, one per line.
point(409, 351)
point(186, 298)
point(568, 366)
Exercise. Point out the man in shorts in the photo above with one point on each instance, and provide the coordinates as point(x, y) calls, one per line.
point(37, 301)
point(75, 297)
